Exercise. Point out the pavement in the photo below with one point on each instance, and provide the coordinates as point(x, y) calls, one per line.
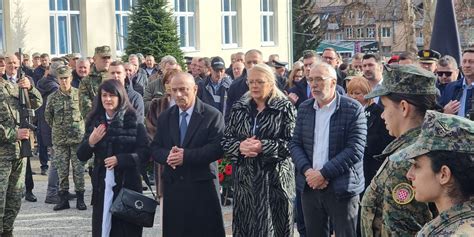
point(38, 218)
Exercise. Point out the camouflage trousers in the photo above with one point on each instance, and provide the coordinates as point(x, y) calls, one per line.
point(12, 180)
point(64, 157)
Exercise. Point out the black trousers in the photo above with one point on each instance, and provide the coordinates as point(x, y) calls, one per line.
point(322, 206)
point(29, 184)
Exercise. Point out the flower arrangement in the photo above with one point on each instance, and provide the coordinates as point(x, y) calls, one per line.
point(225, 172)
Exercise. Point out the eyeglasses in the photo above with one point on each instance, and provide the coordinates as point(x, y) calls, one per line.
point(105, 57)
point(256, 82)
point(440, 74)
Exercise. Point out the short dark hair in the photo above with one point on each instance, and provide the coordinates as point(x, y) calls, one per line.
point(462, 169)
point(377, 57)
point(468, 50)
point(447, 60)
point(422, 103)
point(310, 54)
point(45, 55)
point(206, 60)
point(117, 63)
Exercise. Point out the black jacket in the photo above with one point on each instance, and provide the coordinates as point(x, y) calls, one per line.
point(206, 94)
point(46, 86)
point(127, 140)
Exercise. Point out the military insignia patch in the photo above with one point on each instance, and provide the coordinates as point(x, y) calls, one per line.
point(403, 193)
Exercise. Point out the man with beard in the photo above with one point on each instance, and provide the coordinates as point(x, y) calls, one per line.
point(372, 68)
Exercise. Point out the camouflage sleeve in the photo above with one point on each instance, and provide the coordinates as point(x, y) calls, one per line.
point(401, 219)
point(85, 100)
point(7, 134)
point(36, 100)
point(49, 110)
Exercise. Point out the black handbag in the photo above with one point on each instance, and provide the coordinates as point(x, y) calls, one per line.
point(134, 207)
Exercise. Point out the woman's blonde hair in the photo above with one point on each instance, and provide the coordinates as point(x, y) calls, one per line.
point(359, 83)
point(269, 75)
point(297, 67)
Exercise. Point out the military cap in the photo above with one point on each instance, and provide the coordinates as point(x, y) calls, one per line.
point(441, 132)
point(61, 60)
point(73, 55)
point(188, 59)
point(103, 51)
point(36, 55)
point(428, 56)
point(408, 79)
point(351, 73)
point(278, 64)
point(26, 56)
point(63, 71)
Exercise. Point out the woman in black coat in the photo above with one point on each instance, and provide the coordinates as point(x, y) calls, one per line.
point(377, 135)
point(119, 145)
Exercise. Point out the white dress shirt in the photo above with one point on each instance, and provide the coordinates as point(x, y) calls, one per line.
point(321, 133)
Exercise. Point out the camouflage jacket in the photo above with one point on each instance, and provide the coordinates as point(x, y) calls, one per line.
point(382, 214)
point(9, 117)
point(456, 221)
point(63, 115)
point(88, 90)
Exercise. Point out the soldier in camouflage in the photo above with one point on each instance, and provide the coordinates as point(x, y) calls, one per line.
point(63, 115)
point(387, 207)
point(12, 167)
point(89, 84)
point(443, 172)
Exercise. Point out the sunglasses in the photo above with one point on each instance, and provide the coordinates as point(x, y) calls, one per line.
point(440, 74)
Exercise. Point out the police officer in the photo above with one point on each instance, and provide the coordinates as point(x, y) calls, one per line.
point(12, 167)
point(387, 207)
point(443, 171)
point(63, 115)
point(428, 59)
point(90, 84)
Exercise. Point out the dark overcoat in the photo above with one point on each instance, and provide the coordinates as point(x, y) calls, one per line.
point(190, 203)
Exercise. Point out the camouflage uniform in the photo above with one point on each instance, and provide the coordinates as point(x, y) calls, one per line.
point(63, 115)
point(442, 132)
point(12, 168)
point(388, 208)
point(90, 84)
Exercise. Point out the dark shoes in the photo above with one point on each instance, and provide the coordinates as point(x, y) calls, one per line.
point(44, 171)
point(7, 234)
point(80, 201)
point(30, 197)
point(63, 201)
point(52, 199)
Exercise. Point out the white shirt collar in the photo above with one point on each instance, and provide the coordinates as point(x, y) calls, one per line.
point(328, 106)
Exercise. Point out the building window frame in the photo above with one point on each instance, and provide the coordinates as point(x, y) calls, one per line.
point(349, 33)
point(267, 22)
point(186, 24)
point(69, 20)
point(123, 10)
point(230, 24)
point(2, 28)
point(370, 32)
point(386, 32)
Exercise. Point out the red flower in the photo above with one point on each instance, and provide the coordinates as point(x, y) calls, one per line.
point(221, 177)
point(219, 161)
point(228, 169)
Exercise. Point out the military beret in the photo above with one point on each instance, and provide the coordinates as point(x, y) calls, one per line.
point(103, 51)
point(428, 56)
point(63, 71)
point(441, 132)
point(408, 79)
point(393, 59)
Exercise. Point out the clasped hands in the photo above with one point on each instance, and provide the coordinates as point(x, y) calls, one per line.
point(250, 147)
point(175, 157)
point(315, 179)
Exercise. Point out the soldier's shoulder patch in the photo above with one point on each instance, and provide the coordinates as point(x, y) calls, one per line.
point(403, 193)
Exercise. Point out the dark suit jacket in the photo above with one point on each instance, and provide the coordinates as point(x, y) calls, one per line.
point(190, 197)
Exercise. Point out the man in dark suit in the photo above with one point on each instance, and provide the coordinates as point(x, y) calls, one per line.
point(187, 141)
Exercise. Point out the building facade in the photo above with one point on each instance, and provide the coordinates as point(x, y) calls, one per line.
point(205, 27)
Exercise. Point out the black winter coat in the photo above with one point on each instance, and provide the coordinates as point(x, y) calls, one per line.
point(46, 86)
point(127, 140)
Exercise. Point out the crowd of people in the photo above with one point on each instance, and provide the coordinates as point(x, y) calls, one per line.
point(338, 146)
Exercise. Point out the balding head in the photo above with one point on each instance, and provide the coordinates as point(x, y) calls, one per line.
point(183, 90)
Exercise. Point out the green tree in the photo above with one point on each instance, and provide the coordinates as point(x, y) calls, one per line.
point(308, 31)
point(152, 31)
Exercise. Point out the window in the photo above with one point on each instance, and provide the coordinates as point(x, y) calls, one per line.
point(327, 36)
point(371, 32)
point(351, 15)
point(349, 33)
point(339, 36)
point(64, 27)
point(359, 33)
point(386, 32)
point(2, 39)
point(360, 15)
point(186, 19)
point(267, 21)
point(122, 19)
point(229, 23)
